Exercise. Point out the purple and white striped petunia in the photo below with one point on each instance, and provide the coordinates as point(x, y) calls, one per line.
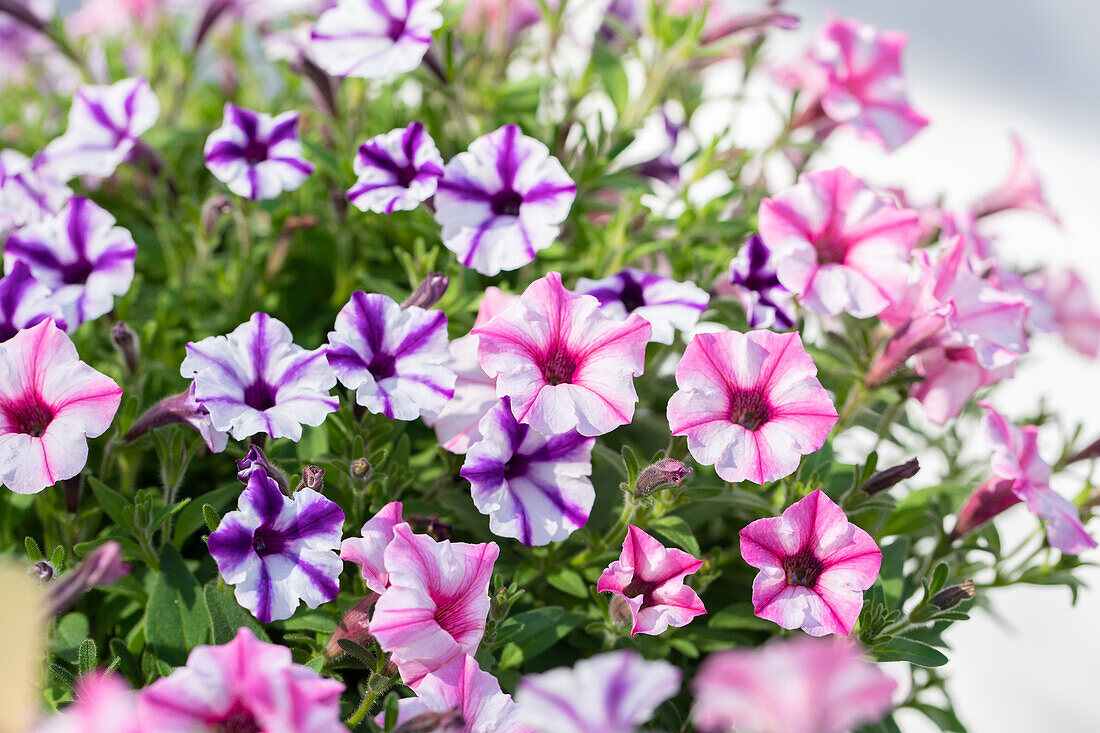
point(256, 380)
point(502, 201)
point(256, 155)
point(394, 358)
point(532, 486)
point(766, 302)
point(668, 305)
point(24, 302)
point(80, 255)
point(374, 39)
point(279, 551)
point(397, 171)
point(28, 191)
point(104, 125)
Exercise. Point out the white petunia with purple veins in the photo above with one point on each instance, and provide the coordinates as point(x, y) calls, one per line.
point(105, 122)
point(533, 487)
point(374, 39)
point(668, 305)
point(80, 255)
point(502, 201)
point(752, 276)
point(256, 380)
point(279, 551)
point(28, 192)
point(24, 302)
point(394, 358)
point(397, 171)
point(255, 155)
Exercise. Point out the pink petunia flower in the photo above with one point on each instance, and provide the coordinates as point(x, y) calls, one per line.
point(374, 39)
point(396, 171)
point(668, 305)
point(436, 604)
point(814, 566)
point(1016, 458)
point(750, 404)
point(950, 377)
point(650, 577)
point(1060, 303)
point(1022, 190)
point(368, 551)
point(614, 692)
point(564, 365)
point(50, 404)
point(101, 702)
point(244, 685)
point(256, 155)
point(837, 244)
point(796, 685)
point(852, 76)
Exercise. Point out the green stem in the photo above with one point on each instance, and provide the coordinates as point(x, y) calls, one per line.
point(363, 709)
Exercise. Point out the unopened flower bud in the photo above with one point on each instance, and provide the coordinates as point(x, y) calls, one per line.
point(953, 596)
point(1087, 453)
point(429, 291)
point(313, 478)
point(667, 472)
point(126, 341)
point(439, 531)
point(103, 566)
point(360, 469)
point(354, 627)
point(498, 605)
point(989, 500)
point(890, 477)
point(255, 460)
point(213, 210)
point(41, 571)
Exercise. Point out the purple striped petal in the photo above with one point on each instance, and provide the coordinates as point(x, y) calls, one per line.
point(397, 171)
point(668, 305)
point(374, 39)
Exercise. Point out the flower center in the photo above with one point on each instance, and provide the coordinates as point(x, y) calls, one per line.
point(802, 568)
point(450, 614)
point(267, 541)
point(558, 368)
point(29, 416)
point(260, 395)
point(406, 175)
point(632, 297)
point(506, 203)
point(396, 28)
point(255, 152)
point(831, 251)
point(77, 272)
point(641, 587)
point(239, 720)
point(750, 409)
point(517, 465)
point(382, 367)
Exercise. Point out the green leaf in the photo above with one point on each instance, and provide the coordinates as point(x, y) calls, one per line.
point(191, 519)
point(57, 559)
point(532, 632)
point(176, 619)
point(70, 631)
point(738, 616)
point(612, 75)
point(87, 656)
point(210, 515)
point(675, 530)
point(568, 581)
point(227, 617)
point(945, 720)
point(33, 551)
point(900, 649)
point(939, 578)
point(114, 503)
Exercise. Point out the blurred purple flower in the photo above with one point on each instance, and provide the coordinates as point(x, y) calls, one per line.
point(24, 302)
point(374, 39)
point(28, 192)
point(766, 302)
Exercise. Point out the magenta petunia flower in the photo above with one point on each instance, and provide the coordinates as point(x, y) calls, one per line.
point(50, 404)
point(278, 551)
point(814, 566)
point(669, 306)
point(752, 276)
point(397, 171)
point(394, 358)
point(837, 244)
point(533, 487)
point(435, 607)
point(1016, 458)
point(1022, 190)
point(502, 201)
point(750, 404)
point(80, 255)
point(101, 702)
point(256, 380)
point(563, 364)
point(796, 685)
point(852, 76)
point(24, 302)
point(368, 551)
point(244, 685)
point(28, 191)
point(256, 155)
point(614, 692)
point(105, 123)
point(374, 39)
point(650, 577)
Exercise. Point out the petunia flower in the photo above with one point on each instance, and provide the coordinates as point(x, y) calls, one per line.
point(80, 255)
point(368, 551)
point(814, 566)
point(1022, 190)
point(796, 685)
point(669, 306)
point(105, 123)
point(1060, 303)
point(502, 201)
point(374, 39)
point(852, 76)
point(614, 692)
point(750, 404)
point(24, 302)
point(564, 364)
point(436, 604)
point(28, 191)
point(244, 685)
point(256, 380)
point(256, 155)
point(278, 551)
point(650, 577)
point(101, 702)
point(394, 358)
point(837, 244)
point(533, 487)
point(753, 276)
point(50, 404)
point(397, 171)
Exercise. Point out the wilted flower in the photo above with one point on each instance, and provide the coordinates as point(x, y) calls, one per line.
point(313, 478)
point(666, 472)
point(368, 551)
point(354, 627)
point(256, 155)
point(254, 461)
point(766, 302)
point(180, 408)
point(374, 39)
point(953, 595)
point(397, 171)
point(1022, 190)
point(24, 302)
point(669, 306)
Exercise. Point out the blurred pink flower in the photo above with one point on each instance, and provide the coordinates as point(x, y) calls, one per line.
point(501, 20)
point(1022, 189)
point(951, 376)
point(750, 404)
point(368, 551)
point(101, 702)
point(814, 566)
point(102, 18)
point(1060, 303)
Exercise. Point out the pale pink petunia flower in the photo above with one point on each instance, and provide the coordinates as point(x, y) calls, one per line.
point(1021, 190)
point(101, 702)
point(840, 246)
point(950, 377)
point(368, 551)
point(814, 566)
point(1060, 303)
point(650, 577)
point(795, 685)
point(50, 404)
point(750, 404)
point(436, 604)
point(563, 364)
